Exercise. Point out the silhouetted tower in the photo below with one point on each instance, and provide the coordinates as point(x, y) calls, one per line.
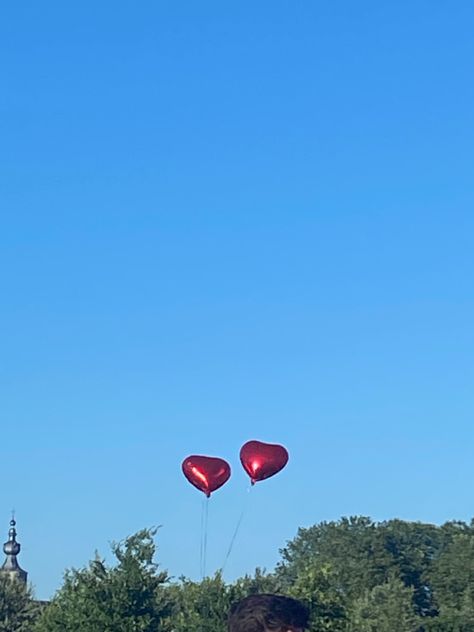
point(12, 548)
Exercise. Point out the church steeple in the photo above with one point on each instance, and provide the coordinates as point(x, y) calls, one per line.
point(12, 548)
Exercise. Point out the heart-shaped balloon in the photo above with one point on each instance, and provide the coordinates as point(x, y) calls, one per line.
point(262, 460)
point(207, 473)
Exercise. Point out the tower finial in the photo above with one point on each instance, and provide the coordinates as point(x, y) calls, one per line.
point(12, 548)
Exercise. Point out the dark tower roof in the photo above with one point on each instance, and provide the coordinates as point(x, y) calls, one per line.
point(12, 548)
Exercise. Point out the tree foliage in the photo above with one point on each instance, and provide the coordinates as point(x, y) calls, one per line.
point(128, 597)
point(18, 610)
point(316, 585)
point(355, 575)
point(385, 608)
point(203, 606)
point(199, 606)
point(418, 575)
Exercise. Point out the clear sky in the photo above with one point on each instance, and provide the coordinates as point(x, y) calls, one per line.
point(224, 221)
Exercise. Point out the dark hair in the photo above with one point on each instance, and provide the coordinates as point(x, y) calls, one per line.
point(267, 613)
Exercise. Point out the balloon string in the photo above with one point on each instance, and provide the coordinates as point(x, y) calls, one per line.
point(206, 520)
point(201, 547)
point(237, 528)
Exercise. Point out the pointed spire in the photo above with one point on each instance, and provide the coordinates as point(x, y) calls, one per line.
point(12, 548)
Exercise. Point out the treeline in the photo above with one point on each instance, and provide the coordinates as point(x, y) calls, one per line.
point(354, 574)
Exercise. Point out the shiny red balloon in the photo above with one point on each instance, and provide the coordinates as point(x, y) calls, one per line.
point(262, 460)
point(207, 473)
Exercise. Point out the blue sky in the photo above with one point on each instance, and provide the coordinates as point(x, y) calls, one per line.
point(233, 221)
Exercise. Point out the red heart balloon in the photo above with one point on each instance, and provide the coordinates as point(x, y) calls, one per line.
point(262, 460)
point(207, 473)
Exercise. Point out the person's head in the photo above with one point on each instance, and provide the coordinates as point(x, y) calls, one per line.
point(268, 613)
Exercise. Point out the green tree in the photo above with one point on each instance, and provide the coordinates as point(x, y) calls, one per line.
point(127, 597)
point(17, 608)
point(354, 574)
point(452, 619)
point(385, 608)
point(452, 581)
point(413, 547)
point(204, 606)
point(317, 586)
point(199, 606)
point(352, 548)
point(259, 582)
point(363, 554)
